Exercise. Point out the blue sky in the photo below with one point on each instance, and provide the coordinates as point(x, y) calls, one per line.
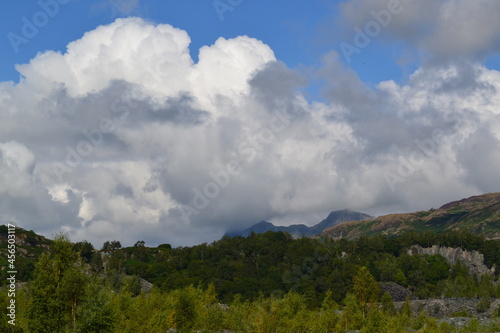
point(299, 32)
point(276, 110)
point(280, 25)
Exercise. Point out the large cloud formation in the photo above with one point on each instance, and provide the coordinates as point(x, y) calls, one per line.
point(125, 137)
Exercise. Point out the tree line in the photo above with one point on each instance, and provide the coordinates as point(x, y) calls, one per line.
point(264, 283)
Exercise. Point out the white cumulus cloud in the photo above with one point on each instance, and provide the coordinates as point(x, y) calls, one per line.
point(124, 136)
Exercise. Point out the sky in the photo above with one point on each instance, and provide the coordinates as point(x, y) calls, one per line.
point(176, 121)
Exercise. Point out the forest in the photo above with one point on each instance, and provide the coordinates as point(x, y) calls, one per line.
point(267, 282)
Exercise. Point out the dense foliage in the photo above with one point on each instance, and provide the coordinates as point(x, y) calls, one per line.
point(274, 263)
point(264, 283)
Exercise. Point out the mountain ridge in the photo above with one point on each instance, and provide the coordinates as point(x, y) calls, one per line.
point(478, 214)
point(298, 230)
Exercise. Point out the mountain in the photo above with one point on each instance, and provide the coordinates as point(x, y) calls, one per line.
point(298, 230)
point(29, 246)
point(477, 214)
point(337, 217)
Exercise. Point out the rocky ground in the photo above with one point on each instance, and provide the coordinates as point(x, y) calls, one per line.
point(455, 307)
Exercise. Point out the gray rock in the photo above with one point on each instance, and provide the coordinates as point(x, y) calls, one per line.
point(397, 292)
point(473, 260)
point(145, 285)
point(458, 322)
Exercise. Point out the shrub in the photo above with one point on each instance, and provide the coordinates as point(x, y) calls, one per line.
point(483, 306)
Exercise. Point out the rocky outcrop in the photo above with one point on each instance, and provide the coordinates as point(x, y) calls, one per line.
point(145, 285)
point(451, 307)
point(28, 244)
point(397, 292)
point(473, 260)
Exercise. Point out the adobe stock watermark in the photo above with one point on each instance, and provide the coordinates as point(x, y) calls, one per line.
point(372, 29)
point(413, 162)
point(247, 151)
point(11, 271)
point(92, 140)
point(32, 25)
point(425, 149)
point(223, 6)
point(121, 108)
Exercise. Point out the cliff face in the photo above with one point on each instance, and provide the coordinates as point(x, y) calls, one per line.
point(473, 260)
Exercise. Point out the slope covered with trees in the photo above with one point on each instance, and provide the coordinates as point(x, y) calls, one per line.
point(264, 283)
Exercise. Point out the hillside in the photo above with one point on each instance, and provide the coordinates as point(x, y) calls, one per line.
point(28, 243)
point(477, 215)
point(266, 282)
point(298, 230)
point(29, 246)
point(264, 272)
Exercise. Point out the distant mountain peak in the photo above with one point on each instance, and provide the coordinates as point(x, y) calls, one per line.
point(298, 230)
point(264, 223)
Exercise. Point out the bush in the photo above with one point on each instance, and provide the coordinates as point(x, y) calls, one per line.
point(483, 306)
point(461, 313)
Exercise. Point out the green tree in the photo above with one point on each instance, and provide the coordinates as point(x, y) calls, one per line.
point(328, 316)
point(132, 284)
point(116, 261)
point(375, 323)
point(212, 312)
point(329, 303)
point(57, 288)
point(140, 243)
point(366, 289)
point(165, 246)
point(97, 264)
point(405, 310)
point(4, 325)
point(72, 288)
point(111, 246)
point(95, 314)
point(352, 316)
point(388, 304)
point(185, 311)
point(85, 249)
point(140, 250)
